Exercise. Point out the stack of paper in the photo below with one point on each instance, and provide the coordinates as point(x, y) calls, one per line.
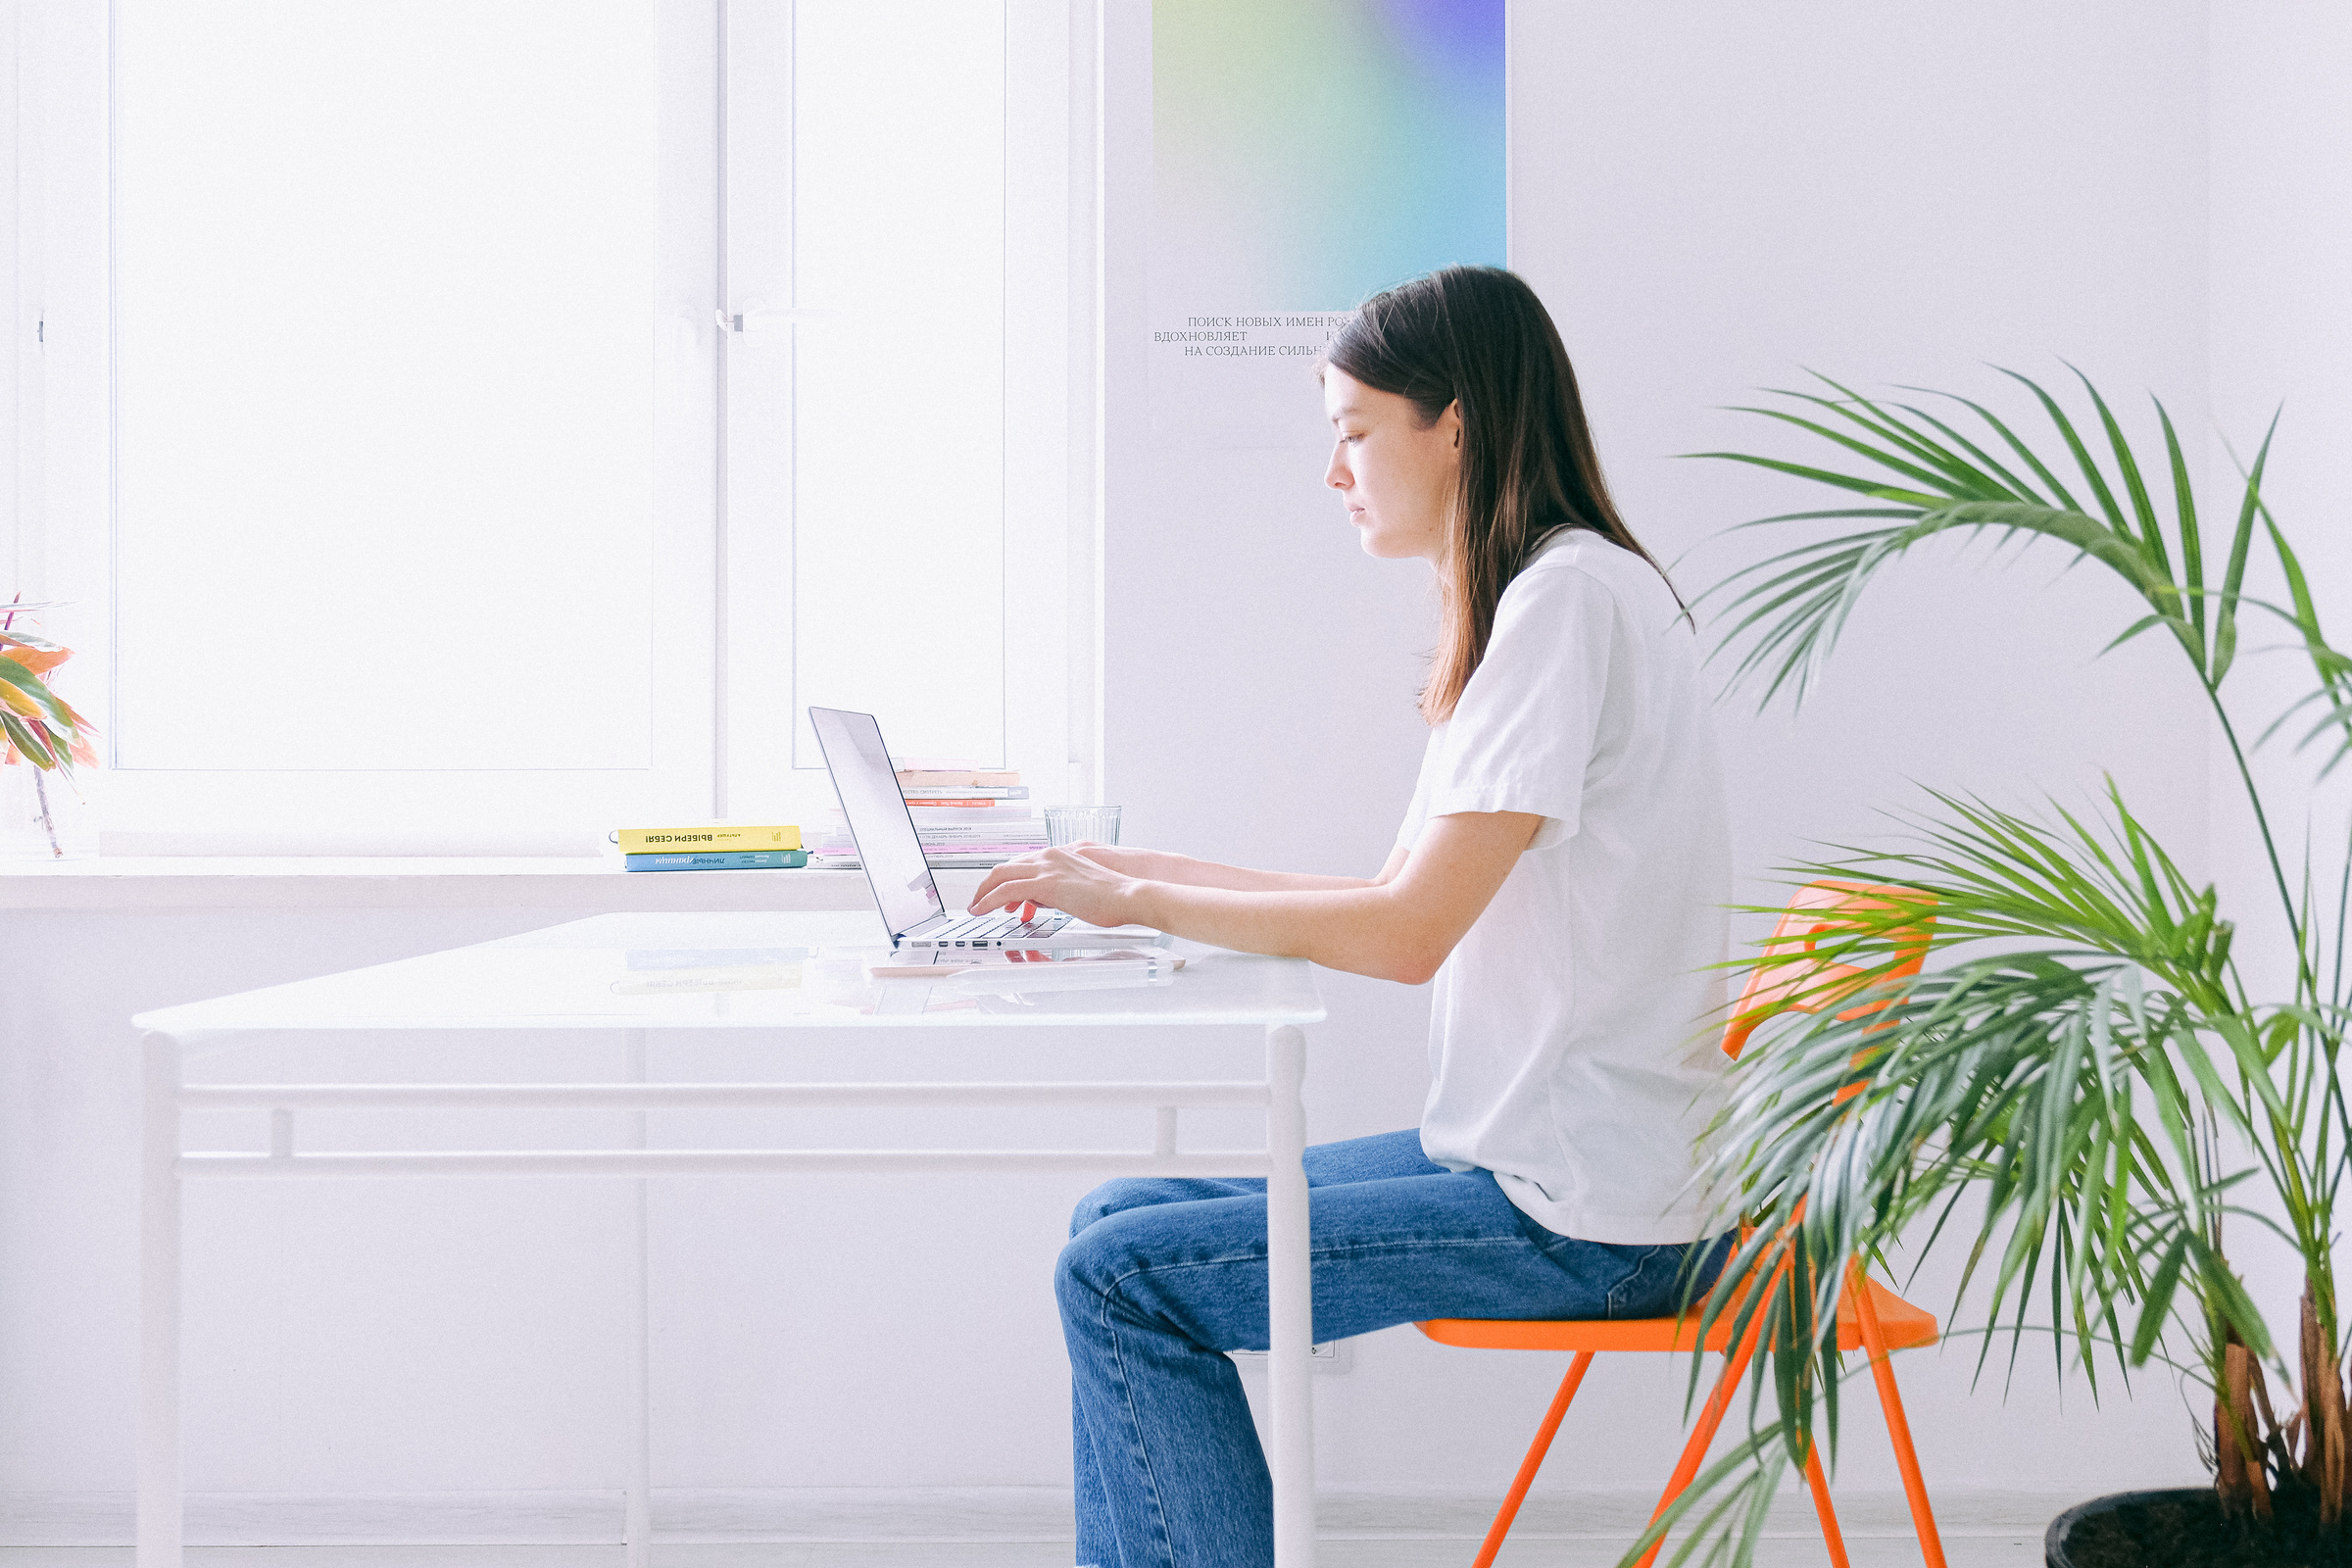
point(964, 818)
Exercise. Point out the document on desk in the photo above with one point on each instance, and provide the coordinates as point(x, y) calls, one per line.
point(1094, 977)
point(1007, 971)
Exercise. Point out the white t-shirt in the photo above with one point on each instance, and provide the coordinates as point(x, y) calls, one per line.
point(1573, 1034)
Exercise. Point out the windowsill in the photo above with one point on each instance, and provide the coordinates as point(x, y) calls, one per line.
point(585, 885)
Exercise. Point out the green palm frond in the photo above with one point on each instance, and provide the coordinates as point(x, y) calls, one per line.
point(1784, 613)
point(2333, 694)
point(2110, 888)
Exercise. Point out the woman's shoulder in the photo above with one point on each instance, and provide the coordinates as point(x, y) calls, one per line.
point(1579, 565)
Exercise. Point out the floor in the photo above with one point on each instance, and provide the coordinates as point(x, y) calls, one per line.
point(1964, 1551)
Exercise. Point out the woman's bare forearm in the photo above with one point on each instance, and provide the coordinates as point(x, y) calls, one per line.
point(1358, 926)
point(1160, 865)
point(1398, 926)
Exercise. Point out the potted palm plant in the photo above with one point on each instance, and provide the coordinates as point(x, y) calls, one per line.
point(2085, 1052)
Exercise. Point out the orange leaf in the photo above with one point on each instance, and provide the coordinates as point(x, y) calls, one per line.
point(83, 754)
point(38, 662)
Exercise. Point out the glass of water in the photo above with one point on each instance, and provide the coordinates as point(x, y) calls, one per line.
point(1082, 824)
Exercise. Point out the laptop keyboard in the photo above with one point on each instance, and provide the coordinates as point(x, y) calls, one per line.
point(997, 927)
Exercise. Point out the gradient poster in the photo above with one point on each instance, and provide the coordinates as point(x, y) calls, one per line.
point(1306, 154)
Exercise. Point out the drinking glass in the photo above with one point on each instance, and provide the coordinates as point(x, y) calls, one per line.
point(1082, 824)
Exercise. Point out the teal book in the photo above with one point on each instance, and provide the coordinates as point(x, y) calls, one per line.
point(719, 861)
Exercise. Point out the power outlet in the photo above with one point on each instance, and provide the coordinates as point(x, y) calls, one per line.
point(1332, 1357)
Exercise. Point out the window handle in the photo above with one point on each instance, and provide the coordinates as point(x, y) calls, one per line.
point(761, 320)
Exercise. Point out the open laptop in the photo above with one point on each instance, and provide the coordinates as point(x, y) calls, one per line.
point(883, 830)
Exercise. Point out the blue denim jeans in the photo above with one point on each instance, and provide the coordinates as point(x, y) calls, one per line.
point(1162, 1276)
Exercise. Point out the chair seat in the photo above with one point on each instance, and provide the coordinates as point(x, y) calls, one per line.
point(1904, 1325)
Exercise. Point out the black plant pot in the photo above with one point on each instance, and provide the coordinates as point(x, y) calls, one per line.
point(2186, 1529)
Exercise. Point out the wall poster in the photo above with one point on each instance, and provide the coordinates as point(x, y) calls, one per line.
point(1305, 154)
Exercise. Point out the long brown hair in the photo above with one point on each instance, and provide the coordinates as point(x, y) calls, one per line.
point(1478, 336)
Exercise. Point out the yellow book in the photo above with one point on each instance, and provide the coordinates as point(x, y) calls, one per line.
point(717, 836)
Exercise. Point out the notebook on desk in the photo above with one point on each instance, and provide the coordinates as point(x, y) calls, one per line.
point(892, 854)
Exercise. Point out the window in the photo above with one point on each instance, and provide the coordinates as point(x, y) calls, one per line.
point(514, 415)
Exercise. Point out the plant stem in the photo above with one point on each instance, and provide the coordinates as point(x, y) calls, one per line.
point(2324, 1407)
point(41, 792)
point(2269, 848)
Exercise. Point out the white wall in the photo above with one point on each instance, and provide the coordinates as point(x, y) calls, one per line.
point(1710, 198)
point(2280, 330)
point(2281, 333)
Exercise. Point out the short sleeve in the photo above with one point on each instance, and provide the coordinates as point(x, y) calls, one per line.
point(1522, 734)
point(1416, 815)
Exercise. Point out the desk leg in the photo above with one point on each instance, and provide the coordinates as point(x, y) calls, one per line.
point(638, 1530)
point(160, 1506)
point(1289, 1303)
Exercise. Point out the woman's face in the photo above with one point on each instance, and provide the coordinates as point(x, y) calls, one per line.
point(1396, 475)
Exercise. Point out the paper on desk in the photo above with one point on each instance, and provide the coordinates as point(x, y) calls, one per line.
point(948, 966)
point(1066, 975)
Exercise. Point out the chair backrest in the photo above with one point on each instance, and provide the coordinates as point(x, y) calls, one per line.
point(1800, 984)
point(1797, 985)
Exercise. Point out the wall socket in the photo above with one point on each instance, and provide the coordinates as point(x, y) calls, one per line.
point(1332, 1356)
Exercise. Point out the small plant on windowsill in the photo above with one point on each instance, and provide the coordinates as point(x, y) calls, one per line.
point(42, 732)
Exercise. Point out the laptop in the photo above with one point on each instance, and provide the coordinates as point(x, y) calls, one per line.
point(883, 830)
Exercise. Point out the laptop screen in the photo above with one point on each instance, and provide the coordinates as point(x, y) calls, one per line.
point(879, 822)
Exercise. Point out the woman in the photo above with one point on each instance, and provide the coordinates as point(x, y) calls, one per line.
point(1560, 874)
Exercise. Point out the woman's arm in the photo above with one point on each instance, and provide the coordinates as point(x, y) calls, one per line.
point(1159, 865)
point(1401, 928)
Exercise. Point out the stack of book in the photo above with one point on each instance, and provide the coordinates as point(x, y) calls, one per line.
point(965, 817)
point(715, 847)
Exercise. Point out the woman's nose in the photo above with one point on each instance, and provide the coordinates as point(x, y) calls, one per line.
point(1337, 476)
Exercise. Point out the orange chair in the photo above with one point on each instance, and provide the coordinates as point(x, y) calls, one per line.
point(1870, 1317)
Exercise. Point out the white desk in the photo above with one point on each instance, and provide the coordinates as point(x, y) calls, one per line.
point(636, 973)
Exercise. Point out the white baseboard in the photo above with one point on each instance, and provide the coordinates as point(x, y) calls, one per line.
point(814, 1515)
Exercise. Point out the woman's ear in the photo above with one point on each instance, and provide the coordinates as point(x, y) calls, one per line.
point(1454, 417)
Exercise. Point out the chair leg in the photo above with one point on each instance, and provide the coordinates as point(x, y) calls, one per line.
point(1898, 1429)
point(1694, 1453)
point(1533, 1460)
point(1820, 1487)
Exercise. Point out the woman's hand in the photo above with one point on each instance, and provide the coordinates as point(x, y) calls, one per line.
point(1078, 879)
point(1142, 864)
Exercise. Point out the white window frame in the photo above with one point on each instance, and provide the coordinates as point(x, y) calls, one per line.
point(718, 742)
